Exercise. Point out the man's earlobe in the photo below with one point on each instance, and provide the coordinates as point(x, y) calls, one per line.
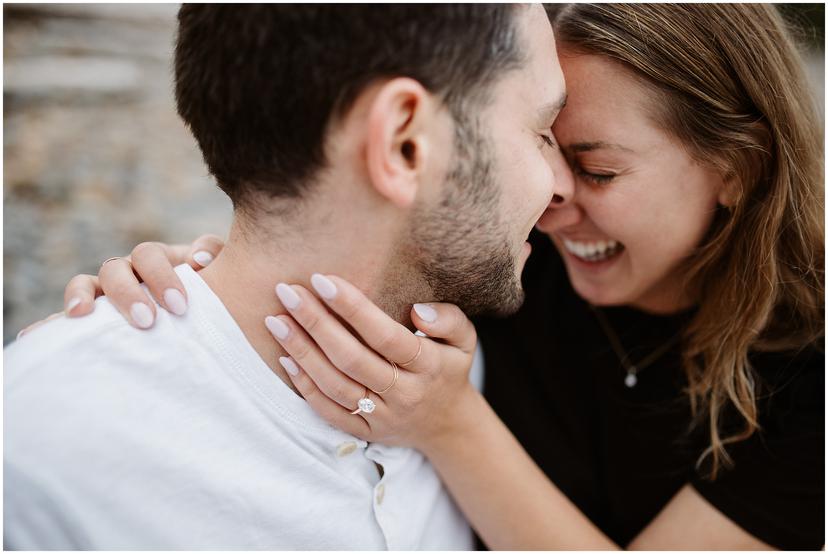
point(396, 141)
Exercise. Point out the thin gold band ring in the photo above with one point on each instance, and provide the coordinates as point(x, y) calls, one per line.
point(393, 381)
point(106, 261)
point(417, 355)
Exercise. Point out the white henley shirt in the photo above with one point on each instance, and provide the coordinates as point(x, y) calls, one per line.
point(181, 437)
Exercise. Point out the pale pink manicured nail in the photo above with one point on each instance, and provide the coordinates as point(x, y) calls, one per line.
point(277, 327)
point(72, 305)
point(289, 365)
point(288, 296)
point(426, 312)
point(141, 315)
point(323, 286)
point(175, 301)
point(203, 258)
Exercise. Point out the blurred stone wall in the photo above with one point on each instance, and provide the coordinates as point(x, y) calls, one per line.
point(96, 159)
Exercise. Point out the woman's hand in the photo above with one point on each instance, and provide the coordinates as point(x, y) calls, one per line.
point(119, 279)
point(425, 399)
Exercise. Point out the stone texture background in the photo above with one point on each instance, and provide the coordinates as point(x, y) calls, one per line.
point(96, 159)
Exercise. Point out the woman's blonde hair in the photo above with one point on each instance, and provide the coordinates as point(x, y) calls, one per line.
point(729, 84)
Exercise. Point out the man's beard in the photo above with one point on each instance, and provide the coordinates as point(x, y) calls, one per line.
point(461, 246)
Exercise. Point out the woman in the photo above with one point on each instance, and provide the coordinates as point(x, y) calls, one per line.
point(664, 380)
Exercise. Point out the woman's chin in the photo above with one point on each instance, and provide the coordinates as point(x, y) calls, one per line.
point(598, 295)
point(600, 299)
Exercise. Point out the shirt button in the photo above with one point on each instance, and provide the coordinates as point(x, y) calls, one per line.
point(380, 493)
point(345, 449)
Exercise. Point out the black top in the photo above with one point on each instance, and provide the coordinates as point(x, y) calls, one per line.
point(619, 453)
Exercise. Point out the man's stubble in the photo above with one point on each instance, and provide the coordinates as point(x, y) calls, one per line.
point(459, 249)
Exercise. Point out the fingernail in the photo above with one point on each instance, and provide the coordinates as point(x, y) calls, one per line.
point(278, 327)
point(426, 312)
point(141, 315)
point(72, 305)
point(175, 301)
point(288, 296)
point(21, 333)
point(203, 258)
point(323, 286)
point(289, 365)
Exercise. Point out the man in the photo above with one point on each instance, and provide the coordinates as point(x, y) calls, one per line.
point(405, 148)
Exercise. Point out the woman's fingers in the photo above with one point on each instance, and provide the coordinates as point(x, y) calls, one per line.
point(387, 337)
point(120, 278)
point(330, 411)
point(122, 288)
point(446, 322)
point(204, 250)
point(333, 383)
point(154, 263)
point(339, 345)
point(80, 294)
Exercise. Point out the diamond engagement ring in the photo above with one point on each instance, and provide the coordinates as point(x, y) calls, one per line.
point(365, 405)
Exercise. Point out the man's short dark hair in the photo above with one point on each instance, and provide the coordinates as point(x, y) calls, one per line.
point(259, 84)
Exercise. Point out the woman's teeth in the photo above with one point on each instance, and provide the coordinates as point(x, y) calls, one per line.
point(593, 251)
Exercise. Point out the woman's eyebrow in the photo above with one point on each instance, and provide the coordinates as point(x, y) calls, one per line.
point(598, 145)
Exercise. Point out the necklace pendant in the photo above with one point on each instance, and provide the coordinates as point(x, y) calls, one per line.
point(631, 379)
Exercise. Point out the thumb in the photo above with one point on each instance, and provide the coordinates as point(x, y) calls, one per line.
point(446, 322)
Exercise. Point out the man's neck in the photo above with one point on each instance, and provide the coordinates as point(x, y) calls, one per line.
point(244, 277)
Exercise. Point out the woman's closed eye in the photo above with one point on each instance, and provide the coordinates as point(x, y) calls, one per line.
point(594, 176)
point(590, 167)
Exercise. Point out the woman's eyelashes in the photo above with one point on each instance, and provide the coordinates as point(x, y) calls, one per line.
point(596, 178)
point(603, 177)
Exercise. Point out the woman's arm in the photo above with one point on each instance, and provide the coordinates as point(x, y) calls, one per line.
point(689, 522)
point(514, 506)
point(431, 406)
point(505, 496)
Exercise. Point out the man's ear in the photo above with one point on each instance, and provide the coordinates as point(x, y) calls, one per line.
point(397, 141)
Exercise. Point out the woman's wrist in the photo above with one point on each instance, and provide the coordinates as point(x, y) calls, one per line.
point(468, 410)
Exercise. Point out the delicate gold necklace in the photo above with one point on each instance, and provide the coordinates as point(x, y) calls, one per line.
point(632, 369)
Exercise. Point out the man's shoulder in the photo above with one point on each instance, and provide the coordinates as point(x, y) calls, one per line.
point(104, 337)
point(105, 422)
point(69, 347)
point(82, 382)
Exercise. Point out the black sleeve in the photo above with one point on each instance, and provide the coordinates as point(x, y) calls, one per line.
point(776, 489)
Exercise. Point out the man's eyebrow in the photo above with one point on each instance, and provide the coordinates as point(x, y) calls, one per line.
point(547, 113)
point(599, 145)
